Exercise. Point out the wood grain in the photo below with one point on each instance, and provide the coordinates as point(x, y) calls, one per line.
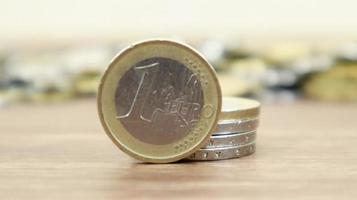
point(305, 150)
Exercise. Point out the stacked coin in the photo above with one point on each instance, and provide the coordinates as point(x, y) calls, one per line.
point(235, 133)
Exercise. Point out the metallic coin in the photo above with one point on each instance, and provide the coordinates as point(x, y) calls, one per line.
point(239, 108)
point(223, 152)
point(159, 101)
point(234, 139)
point(235, 126)
point(337, 84)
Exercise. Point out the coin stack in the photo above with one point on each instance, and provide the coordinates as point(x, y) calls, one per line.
point(160, 101)
point(235, 134)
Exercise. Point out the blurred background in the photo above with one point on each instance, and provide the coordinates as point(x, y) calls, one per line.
point(274, 51)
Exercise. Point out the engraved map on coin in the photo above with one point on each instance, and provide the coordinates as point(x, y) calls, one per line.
point(159, 100)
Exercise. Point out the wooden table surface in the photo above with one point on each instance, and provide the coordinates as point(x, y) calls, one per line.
point(306, 150)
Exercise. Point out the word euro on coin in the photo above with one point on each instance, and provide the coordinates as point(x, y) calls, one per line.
point(159, 101)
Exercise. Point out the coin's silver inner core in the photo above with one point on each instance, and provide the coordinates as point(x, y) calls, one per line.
point(159, 100)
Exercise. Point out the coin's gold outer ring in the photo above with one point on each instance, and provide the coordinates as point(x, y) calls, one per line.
point(239, 109)
point(149, 152)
